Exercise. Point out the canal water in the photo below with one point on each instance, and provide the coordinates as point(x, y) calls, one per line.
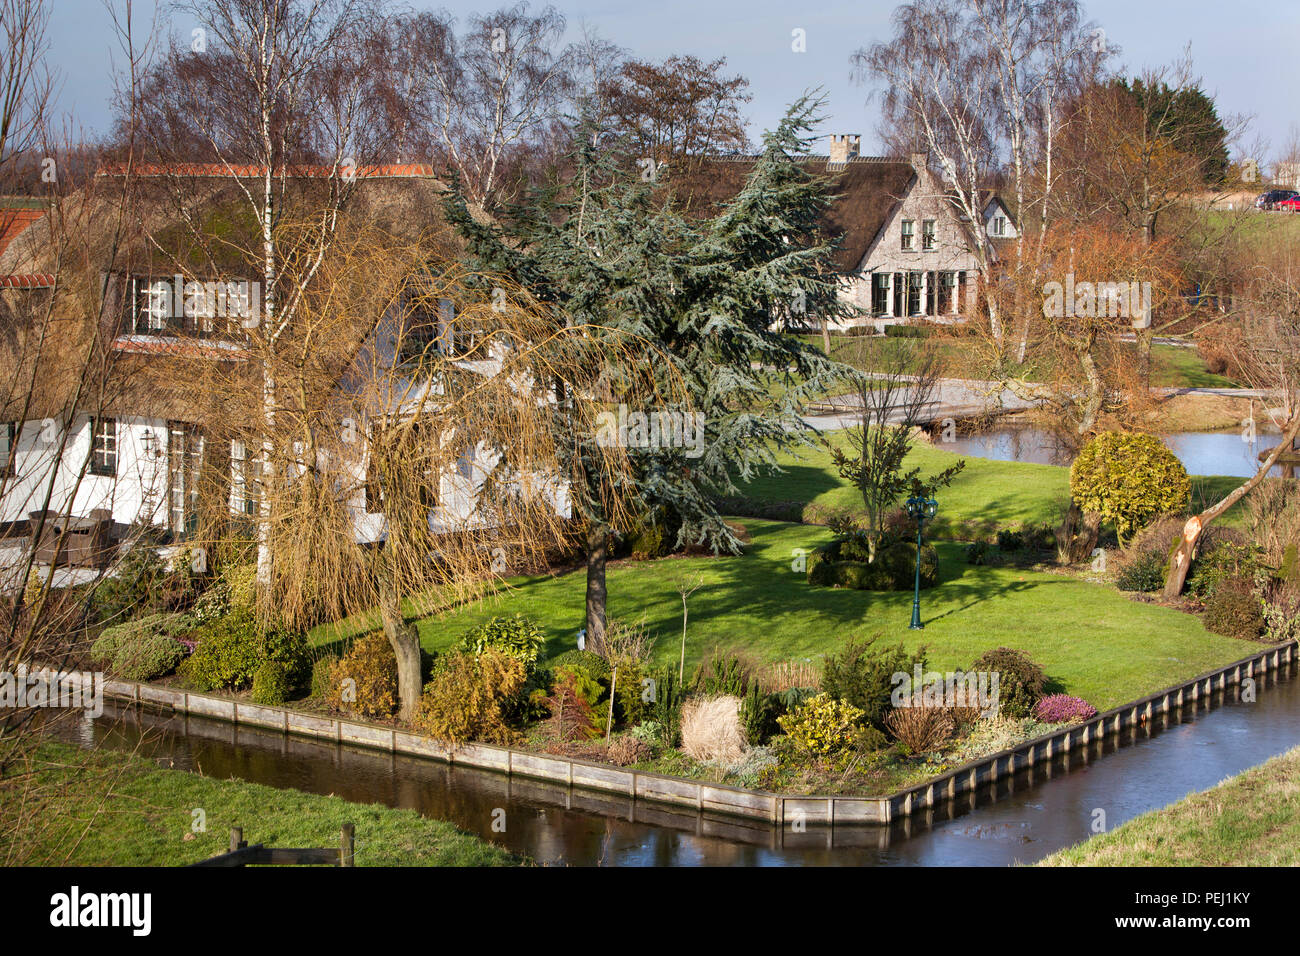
point(1202, 453)
point(1038, 811)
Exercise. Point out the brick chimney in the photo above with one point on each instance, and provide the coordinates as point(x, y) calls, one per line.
point(918, 161)
point(844, 146)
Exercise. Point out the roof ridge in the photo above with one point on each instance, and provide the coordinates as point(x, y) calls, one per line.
point(27, 280)
point(807, 157)
point(248, 170)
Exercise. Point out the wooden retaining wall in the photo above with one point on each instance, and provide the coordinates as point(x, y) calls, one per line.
point(778, 809)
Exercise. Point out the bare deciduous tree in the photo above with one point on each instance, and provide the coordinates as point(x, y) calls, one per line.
point(1265, 339)
point(489, 94)
point(280, 102)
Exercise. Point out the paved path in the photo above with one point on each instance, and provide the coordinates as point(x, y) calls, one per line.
point(959, 398)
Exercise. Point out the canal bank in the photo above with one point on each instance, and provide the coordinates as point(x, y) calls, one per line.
point(1027, 811)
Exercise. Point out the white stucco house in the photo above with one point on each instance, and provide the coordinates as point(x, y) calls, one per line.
point(904, 252)
point(137, 452)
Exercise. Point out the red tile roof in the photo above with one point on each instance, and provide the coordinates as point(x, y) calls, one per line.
point(13, 222)
point(225, 171)
point(33, 280)
point(143, 345)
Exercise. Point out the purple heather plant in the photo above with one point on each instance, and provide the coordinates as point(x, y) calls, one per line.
point(1063, 709)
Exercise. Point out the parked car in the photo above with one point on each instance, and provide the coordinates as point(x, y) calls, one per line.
point(1270, 199)
point(1288, 205)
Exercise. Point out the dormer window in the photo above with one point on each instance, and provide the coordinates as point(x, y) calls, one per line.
point(173, 305)
point(927, 234)
point(909, 230)
point(998, 226)
point(434, 323)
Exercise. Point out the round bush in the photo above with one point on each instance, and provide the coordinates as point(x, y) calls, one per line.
point(272, 683)
point(1144, 571)
point(469, 695)
point(231, 647)
point(893, 570)
point(364, 680)
point(143, 649)
point(1128, 479)
point(1011, 539)
point(1234, 612)
point(1020, 681)
point(821, 725)
point(1063, 709)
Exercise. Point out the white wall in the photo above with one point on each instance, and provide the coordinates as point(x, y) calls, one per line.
point(137, 493)
point(991, 212)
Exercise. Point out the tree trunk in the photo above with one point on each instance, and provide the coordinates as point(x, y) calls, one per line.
point(826, 335)
point(1077, 536)
point(405, 641)
point(265, 463)
point(1145, 339)
point(597, 554)
point(1181, 562)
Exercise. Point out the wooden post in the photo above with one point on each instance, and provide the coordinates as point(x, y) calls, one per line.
point(236, 838)
point(613, 685)
point(347, 851)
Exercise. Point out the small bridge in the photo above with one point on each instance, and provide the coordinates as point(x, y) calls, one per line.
point(241, 854)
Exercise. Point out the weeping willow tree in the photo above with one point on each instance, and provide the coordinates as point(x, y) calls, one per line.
point(432, 432)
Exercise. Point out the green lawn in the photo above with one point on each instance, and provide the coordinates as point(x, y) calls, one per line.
point(1091, 639)
point(147, 814)
point(1175, 367)
point(1252, 819)
point(985, 496)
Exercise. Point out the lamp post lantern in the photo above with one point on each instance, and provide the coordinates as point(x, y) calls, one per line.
point(921, 509)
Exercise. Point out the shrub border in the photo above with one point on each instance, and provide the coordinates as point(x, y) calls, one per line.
point(776, 808)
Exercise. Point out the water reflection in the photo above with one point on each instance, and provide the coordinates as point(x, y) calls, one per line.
point(1038, 811)
point(1202, 453)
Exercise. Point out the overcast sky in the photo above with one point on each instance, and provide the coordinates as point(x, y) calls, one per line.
point(1247, 63)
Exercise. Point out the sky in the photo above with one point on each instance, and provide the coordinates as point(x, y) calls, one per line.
point(1246, 62)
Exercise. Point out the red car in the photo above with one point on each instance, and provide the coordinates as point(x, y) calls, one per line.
point(1288, 205)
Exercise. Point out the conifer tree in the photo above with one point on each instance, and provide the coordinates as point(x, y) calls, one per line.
point(712, 298)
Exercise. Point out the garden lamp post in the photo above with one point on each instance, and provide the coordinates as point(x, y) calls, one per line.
point(920, 509)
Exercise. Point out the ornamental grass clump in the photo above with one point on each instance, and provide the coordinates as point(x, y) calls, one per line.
point(711, 729)
point(1063, 709)
point(919, 728)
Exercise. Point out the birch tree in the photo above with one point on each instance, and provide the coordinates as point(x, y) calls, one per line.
point(939, 96)
point(277, 100)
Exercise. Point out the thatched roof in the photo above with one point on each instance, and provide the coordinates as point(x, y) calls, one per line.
point(145, 224)
point(865, 190)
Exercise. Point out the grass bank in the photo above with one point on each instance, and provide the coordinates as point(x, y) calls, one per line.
point(1252, 819)
point(1172, 366)
point(115, 809)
